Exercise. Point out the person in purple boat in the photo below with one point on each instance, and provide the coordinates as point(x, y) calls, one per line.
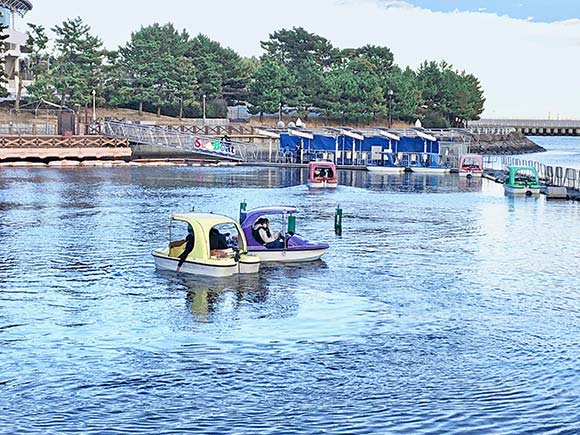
point(262, 234)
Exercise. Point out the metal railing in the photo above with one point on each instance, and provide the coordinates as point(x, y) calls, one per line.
point(183, 141)
point(551, 175)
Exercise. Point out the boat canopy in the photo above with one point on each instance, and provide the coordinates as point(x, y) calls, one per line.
point(251, 216)
point(526, 171)
point(202, 223)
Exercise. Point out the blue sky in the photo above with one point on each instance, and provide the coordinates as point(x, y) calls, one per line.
point(538, 10)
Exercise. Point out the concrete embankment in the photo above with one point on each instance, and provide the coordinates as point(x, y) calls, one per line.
point(504, 144)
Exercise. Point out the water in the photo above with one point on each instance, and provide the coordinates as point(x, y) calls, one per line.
point(560, 151)
point(445, 308)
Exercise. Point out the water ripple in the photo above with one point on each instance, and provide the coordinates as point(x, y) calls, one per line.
point(432, 313)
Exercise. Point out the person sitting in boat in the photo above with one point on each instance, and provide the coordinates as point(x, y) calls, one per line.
point(326, 173)
point(189, 244)
point(263, 235)
point(217, 240)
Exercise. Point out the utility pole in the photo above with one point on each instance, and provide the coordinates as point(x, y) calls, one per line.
point(390, 94)
point(94, 106)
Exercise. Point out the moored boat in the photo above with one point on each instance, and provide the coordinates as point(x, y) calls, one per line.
point(322, 174)
point(387, 165)
point(217, 247)
point(293, 247)
point(471, 165)
point(428, 163)
point(522, 180)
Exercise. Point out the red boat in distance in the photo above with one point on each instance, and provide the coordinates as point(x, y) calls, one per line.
point(322, 174)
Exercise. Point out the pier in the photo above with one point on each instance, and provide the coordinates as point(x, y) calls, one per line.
point(528, 127)
point(558, 182)
point(52, 147)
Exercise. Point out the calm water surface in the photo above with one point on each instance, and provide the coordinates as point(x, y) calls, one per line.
point(445, 308)
point(560, 151)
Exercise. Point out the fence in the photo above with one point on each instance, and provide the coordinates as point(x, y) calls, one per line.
point(551, 175)
point(185, 141)
point(29, 129)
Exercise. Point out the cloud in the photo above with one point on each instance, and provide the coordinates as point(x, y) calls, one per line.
point(527, 69)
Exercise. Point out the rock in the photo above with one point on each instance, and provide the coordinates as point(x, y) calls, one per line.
point(513, 143)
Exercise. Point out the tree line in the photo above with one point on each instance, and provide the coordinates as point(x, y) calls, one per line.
point(163, 70)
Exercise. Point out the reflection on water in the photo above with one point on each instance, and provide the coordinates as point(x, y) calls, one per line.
point(444, 307)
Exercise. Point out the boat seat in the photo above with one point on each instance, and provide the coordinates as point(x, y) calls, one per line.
point(176, 248)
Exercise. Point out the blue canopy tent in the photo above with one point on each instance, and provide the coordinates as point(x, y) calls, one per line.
point(352, 148)
point(382, 149)
point(296, 145)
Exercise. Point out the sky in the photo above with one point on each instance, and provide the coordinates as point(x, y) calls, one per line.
point(526, 53)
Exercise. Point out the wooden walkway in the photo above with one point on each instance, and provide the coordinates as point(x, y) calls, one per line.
point(24, 147)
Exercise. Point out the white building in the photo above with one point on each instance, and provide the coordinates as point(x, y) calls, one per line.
point(15, 45)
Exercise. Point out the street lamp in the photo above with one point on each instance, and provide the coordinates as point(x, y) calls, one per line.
point(390, 94)
point(204, 97)
point(94, 105)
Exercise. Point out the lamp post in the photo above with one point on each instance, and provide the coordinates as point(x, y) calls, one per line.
point(204, 97)
point(94, 105)
point(390, 100)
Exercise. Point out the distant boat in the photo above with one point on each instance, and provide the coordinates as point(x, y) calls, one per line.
point(322, 174)
point(471, 165)
point(387, 165)
point(426, 163)
point(522, 180)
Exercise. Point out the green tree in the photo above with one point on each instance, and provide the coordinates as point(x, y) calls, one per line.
point(269, 86)
point(40, 59)
point(353, 93)
point(449, 98)
point(221, 72)
point(307, 57)
point(77, 68)
point(153, 69)
point(406, 99)
point(381, 59)
point(466, 98)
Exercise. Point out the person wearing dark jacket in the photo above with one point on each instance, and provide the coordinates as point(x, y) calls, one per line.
point(217, 240)
point(189, 244)
point(262, 234)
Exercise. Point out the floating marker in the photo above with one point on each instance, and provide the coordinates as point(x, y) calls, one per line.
point(243, 207)
point(338, 221)
point(291, 224)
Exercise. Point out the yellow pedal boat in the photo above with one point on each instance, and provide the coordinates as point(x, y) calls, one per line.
point(216, 246)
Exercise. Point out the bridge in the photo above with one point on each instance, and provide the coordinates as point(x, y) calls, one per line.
point(202, 146)
point(529, 127)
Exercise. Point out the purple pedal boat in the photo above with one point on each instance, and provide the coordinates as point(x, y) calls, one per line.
point(296, 248)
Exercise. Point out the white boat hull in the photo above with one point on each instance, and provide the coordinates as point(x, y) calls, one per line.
point(322, 184)
point(424, 170)
point(226, 267)
point(289, 256)
point(386, 169)
point(470, 174)
point(521, 191)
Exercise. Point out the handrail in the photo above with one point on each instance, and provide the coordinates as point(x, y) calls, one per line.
point(184, 141)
